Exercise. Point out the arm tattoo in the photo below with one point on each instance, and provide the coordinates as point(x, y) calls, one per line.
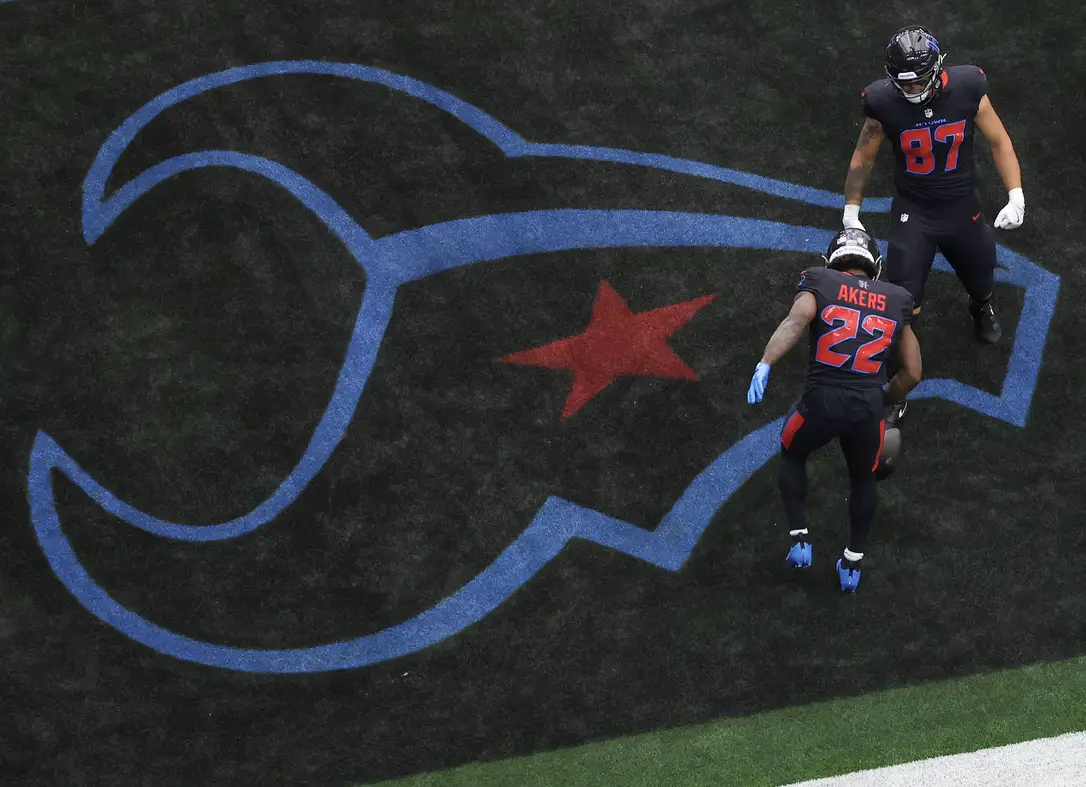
point(859, 174)
point(868, 132)
point(783, 339)
point(856, 181)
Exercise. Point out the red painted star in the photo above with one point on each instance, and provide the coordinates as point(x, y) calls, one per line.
point(617, 342)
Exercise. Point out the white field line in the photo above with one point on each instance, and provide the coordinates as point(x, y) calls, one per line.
point(1046, 762)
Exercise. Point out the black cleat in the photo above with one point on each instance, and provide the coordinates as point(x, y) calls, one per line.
point(895, 414)
point(985, 325)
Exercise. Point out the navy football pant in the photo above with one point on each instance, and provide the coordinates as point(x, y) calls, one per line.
point(854, 418)
point(957, 229)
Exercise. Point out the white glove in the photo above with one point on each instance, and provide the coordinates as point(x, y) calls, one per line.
point(851, 219)
point(1011, 217)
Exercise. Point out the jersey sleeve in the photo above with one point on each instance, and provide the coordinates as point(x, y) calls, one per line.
point(907, 316)
point(809, 281)
point(869, 110)
point(977, 81)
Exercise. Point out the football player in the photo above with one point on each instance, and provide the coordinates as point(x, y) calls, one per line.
point(857, 322)
point(930, 113)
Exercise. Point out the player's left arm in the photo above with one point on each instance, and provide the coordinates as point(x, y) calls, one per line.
point(1006, 162)
point(783, 339)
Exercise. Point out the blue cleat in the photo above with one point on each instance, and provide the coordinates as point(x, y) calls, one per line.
point(850, 577)
point(799, 556)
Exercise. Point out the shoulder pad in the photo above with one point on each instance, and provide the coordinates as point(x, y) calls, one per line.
point(907, 300)
point(970, 78)
point(810, 278)
point(873, 96)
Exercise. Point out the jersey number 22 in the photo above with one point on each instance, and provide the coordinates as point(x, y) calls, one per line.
point(849, 324)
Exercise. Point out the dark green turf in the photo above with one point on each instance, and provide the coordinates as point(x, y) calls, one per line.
point(186, 357)
point(822, 739)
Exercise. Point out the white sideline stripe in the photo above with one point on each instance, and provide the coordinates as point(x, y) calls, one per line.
point(1051, 762)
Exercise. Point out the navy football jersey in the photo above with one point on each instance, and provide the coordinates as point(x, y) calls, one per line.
point(857, 326)
point(932, 144)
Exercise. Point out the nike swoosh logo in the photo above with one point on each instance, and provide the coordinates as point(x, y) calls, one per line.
point(976, 217)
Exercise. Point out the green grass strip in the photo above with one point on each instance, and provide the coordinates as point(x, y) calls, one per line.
point(823, 739)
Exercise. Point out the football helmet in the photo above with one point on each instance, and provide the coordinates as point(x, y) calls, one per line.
point(854, 248)
point(913, 55)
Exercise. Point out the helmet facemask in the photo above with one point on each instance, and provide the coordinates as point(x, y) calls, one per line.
point(930, 77)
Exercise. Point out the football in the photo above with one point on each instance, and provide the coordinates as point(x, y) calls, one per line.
point(891, 452)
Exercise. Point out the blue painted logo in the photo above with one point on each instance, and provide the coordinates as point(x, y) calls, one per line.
point(411, 255)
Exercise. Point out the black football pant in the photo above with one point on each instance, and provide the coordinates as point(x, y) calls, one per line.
point(854, 418)
point(956, 228)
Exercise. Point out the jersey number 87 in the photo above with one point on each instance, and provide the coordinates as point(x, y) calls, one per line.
point(917, 144)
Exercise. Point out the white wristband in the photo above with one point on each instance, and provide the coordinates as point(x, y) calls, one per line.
point(1016, 197)
point(852, 212)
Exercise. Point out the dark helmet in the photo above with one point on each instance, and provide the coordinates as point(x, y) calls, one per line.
point(913, 55)
point(854, 248)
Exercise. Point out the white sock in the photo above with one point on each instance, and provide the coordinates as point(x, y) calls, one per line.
point(853, 556)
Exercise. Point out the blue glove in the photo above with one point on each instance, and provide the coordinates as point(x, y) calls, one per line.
point(757, 383)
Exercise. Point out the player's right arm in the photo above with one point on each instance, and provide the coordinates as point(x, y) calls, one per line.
point(910, 369)
point(860, 169)
point(803, 311)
